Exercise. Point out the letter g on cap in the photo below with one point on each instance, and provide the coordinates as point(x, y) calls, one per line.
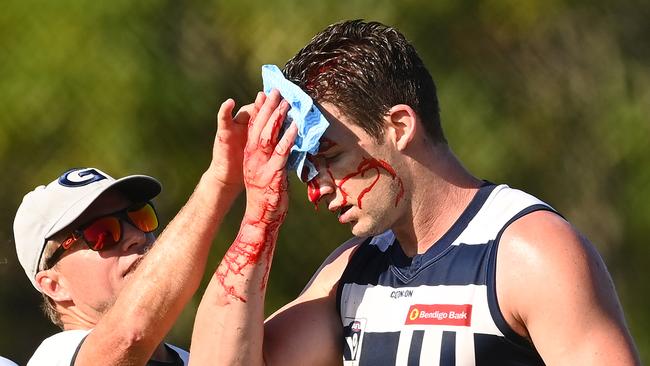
point(79, 177)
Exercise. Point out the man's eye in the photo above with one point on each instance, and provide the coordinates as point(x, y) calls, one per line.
point(333, 158)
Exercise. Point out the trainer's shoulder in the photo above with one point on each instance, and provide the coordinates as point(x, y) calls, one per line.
point(58, 349)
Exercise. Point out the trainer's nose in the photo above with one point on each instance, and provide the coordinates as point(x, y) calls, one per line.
point(134, 238)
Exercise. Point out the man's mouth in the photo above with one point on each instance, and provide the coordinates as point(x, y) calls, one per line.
point(342, 211)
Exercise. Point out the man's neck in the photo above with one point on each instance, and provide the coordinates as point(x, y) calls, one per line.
point(440, 193)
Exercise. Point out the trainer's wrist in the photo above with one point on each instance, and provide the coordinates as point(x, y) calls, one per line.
point(215, 182)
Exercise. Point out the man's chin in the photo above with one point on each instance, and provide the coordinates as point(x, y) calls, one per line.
point(360, 230)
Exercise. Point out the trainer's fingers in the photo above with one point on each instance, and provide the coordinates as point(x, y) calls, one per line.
point(259, 99)
point(271, 130)
point(251, 110)
point(270, 104)
point(245, 114)
point(224, 115)
point(283, 148)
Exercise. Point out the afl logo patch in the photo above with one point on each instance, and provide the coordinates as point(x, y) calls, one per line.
point(80, 177)
point(353, 335)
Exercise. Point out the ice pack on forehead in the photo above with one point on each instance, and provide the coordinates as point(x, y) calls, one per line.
point(310, 121)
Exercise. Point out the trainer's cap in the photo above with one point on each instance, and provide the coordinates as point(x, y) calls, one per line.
point(48, 209)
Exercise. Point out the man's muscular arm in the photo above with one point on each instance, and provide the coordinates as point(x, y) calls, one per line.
point(308, 330)
point(228, 328)
point(170, 273)
point(554, 288)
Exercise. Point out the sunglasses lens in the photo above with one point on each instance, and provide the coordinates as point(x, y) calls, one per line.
point(102, 233)
point(144, 218)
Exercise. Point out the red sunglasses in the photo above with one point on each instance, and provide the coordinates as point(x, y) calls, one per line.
point(106, 231)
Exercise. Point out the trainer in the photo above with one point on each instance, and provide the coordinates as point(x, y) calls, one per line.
point(82, 241)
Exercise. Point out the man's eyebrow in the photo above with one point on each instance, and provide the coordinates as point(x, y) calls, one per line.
point(326, 145)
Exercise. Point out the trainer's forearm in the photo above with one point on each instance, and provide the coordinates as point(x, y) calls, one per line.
point(229, 326)
point(164, 282)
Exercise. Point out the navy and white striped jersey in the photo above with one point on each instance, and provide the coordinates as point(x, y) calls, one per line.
point(439, 307)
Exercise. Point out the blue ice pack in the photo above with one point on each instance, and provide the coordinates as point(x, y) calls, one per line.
point(310, 121)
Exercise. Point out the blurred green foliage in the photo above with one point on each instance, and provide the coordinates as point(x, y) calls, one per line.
point(549, 96)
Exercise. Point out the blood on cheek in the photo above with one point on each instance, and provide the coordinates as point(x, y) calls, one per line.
point(314, 191)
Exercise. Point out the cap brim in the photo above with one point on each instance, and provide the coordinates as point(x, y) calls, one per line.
point(136, 188)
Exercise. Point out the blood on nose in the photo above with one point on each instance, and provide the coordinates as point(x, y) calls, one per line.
point(313, 192)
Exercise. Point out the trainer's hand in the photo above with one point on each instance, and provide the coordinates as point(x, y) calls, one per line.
point(265, 157)
point(228, 149)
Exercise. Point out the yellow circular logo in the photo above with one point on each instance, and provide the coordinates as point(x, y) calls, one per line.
point(414, 314)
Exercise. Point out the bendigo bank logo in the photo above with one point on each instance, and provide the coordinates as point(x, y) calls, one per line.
point(440, 314)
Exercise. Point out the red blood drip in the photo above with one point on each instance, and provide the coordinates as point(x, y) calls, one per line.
point(314, 73)
point(365, 165)
point(313, 187)
point(313, 191)
point(242, 253)
point(340, 187)
point(256, 237)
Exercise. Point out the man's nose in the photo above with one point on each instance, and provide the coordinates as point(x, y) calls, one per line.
point(133, 239)
point(320, 186)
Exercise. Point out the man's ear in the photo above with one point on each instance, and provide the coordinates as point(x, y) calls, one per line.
point(51, 285)
point(402, 124)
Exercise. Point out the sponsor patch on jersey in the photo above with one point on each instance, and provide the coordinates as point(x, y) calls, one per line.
point(440, 314)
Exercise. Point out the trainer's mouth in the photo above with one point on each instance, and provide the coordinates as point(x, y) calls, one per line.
point(133, 266)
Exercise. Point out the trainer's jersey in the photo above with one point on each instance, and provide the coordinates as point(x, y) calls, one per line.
point(61, 349)
point(439, 307)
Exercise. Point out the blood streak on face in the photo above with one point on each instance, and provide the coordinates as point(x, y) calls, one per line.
point(313, 192)
point(313, 188)
point(365, 165)
point(258, 232)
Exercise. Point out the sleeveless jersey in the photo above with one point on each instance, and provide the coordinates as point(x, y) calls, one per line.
point(439, 307)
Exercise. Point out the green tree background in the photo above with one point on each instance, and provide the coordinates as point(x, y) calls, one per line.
point(549, 96)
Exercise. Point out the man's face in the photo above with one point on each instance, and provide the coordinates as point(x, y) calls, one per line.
point(95, 278)
point(357, 177)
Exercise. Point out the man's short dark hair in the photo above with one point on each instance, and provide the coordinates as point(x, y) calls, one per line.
point(365, 68)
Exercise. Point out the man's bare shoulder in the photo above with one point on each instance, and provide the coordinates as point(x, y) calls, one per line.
point(539, 248)
point(553, 287)
point(324, 281)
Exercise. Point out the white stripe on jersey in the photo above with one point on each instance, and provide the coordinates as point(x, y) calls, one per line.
point(498, 209)
point(430, 354)
point(403, 347)
point(465, 348)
